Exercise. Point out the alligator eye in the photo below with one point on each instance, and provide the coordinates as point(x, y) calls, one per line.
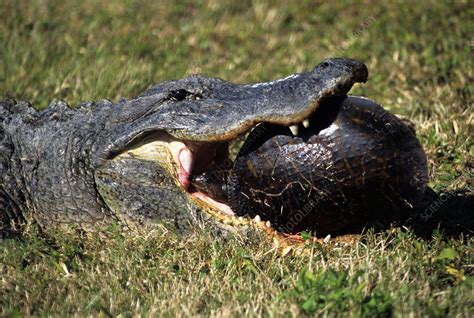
point(182, 94)
point(324, 64)
point(179, 94)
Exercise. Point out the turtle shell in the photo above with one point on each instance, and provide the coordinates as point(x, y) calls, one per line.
point(355, 164)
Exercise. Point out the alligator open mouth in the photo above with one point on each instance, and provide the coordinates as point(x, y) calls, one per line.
point(185, 127)
point(196, 157)
point(190, 158)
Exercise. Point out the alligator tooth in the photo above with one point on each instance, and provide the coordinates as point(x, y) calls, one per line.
point(294, 129)
point(268, 224)
point(306, 123)
point(327, 239)
point(257, 219)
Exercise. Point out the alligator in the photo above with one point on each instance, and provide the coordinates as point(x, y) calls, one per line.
point(163, 157)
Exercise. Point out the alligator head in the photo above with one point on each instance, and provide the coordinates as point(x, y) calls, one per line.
point(130, 161)
point(189, 131)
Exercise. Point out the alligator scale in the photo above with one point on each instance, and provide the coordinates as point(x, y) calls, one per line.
point(315, 159)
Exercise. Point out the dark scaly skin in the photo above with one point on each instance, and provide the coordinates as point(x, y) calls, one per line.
point(60, 165)
point(355, 165)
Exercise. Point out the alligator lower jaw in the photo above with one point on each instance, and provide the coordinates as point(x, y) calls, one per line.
point(221, 207)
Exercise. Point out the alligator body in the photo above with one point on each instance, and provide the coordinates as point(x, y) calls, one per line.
point(130, 162)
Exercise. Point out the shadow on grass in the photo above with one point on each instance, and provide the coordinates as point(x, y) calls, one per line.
point(451, 212)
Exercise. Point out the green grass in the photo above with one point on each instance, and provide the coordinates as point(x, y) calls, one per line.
point(420, 63)
point(393, 272)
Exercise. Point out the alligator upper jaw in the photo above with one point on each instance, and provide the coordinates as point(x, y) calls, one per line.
point(226, 111)
point(203, 109)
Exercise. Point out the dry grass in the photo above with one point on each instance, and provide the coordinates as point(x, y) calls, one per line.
point(390, 273)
